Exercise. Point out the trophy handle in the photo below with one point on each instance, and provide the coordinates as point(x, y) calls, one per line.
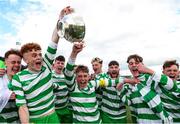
point(60, 28)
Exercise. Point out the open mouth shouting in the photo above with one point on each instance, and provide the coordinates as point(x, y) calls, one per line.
point(82, 84)
point(135, 71)
point(16, 69)
point(38, 64)
point(59, 69)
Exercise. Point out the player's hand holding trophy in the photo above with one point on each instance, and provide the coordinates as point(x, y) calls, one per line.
point(70, 25)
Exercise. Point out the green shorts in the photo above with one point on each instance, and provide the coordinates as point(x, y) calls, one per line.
point(52, 118)
point(106, 119)
point(9, 120)
point(65, 115)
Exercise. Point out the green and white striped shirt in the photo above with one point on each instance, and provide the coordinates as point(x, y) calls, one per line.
point(99, 90)
point(112, 105)
point(9, 113)
point(61, 92)
point(35, 89)
point(171, 100)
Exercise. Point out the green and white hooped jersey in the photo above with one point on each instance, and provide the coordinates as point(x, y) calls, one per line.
point(35, 89)
point(10, 113)
point(169, 92)
point(83, 101)
point(112, 105)
point(99, 90)
point(84, 104)
point(60, 91)
point(146, 101)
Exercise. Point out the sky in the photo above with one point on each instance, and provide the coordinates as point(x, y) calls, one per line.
point(115, 29)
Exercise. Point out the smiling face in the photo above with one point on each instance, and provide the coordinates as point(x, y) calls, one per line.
point(97, 67)
point(133, 62)
point(13, 64)
point(34, 60)
point(32, 56)
point(172, 72)
point(58, 66)
point(171, 69)
point(133, 67)
point(113, 69)
point(82, 79)
point(82, 76)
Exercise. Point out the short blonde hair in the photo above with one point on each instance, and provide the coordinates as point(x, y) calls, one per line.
point(97, 59)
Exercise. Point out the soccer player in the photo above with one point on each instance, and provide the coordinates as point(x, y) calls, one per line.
point(113, 110)
point(8, 108)
point(97, 64)
point(33, 86)
point(82, 89)
point(144, 96)
point(63, 108)
point(171, 100)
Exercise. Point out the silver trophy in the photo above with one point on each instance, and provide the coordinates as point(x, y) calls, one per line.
point(71, 27)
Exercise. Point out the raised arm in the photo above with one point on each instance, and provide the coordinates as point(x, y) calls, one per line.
point(65, 11)
point(52, 48)
point(77, 47)
point(69, 69)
